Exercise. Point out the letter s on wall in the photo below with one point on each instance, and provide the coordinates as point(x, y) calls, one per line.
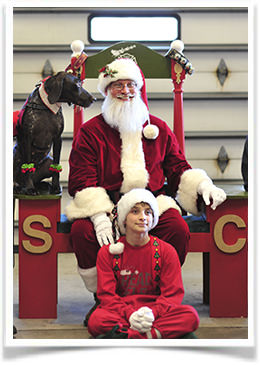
point(31, 232)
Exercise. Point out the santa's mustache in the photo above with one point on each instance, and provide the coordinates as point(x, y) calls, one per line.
point(123, 96)
point(126, 115)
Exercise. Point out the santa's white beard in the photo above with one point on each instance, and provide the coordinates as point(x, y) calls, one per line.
point(126, 116)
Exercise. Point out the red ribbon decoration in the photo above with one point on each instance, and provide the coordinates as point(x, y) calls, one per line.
point(77, 66)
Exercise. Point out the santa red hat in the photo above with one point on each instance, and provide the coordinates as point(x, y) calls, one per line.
point(122, 69)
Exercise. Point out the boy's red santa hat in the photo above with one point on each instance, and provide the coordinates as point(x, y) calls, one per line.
point(128, 201)
point(125, 204)
point(123, 69)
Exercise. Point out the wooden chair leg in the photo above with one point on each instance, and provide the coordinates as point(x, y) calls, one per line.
point(206, 263)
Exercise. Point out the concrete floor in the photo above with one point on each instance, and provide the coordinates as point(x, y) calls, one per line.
point(74, 301)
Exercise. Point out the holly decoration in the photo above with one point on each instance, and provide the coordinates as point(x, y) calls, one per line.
point(27, 167)
point(108, 72)
point(55, 168)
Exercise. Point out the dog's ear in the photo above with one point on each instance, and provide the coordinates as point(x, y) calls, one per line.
point(54, 86)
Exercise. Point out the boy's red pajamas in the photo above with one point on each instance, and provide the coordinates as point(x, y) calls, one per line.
point(135, 286)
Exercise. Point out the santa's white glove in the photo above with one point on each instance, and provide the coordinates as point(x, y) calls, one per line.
point(209, 191)
point(103, 228)
point(142, 320)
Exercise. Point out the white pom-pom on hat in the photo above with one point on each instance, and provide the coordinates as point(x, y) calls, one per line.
point(116, 248)
point(77, 47)
point(178, 45)
point(151, 131)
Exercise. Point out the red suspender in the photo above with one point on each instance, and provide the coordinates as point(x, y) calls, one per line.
point(156, 257)
point(116, 265)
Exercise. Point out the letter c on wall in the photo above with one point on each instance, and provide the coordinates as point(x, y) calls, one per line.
point(218, 233)
point(35, 233)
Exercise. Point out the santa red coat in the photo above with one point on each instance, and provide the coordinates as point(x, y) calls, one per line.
point(95, 168)
point(96, 156)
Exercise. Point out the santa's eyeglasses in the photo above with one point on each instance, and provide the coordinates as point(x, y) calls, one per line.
point(121, 85)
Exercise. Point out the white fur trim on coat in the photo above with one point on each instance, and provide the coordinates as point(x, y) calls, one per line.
point(166, 202)
point(188, 187)
point(88, 202)
point(132, 165)
point(89, 277)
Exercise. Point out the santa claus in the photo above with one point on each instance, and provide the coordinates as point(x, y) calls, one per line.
point(124, 148)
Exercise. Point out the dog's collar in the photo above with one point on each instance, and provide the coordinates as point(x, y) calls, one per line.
point(44, 97)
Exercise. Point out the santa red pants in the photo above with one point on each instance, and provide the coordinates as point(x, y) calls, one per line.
point(171, 228)
point(176, 322)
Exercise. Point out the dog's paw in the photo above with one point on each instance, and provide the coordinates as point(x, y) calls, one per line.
point(55, 190)
point(17, 189)
point(29, 191)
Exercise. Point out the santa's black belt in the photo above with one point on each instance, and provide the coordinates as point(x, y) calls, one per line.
point(115, 195)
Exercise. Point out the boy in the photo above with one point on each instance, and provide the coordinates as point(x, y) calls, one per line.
point(139, 279)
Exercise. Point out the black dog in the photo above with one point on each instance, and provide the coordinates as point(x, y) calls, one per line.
point(39, 127)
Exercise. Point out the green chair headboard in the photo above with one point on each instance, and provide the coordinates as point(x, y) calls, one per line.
point(152, 63)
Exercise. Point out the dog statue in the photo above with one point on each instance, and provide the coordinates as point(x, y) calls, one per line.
point(39, 128)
